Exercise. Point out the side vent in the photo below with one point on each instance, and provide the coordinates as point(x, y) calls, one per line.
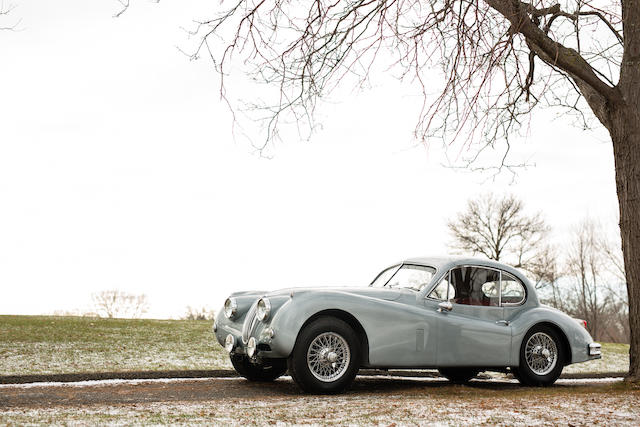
point(419, 339)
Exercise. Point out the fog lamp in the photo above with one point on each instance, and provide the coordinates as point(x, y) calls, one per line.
point(251, 347)
point(229, 343)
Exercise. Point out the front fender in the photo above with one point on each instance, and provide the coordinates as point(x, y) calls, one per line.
point(292, 315)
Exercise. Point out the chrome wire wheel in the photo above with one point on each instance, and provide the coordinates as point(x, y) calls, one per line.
point(328, 356)
point(541, 353)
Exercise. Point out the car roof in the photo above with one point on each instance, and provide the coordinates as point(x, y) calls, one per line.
point(446, 263)
point(436, 261)
point(443, 264)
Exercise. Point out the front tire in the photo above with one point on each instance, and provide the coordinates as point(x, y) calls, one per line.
point(458, 375)
point(326, 357)
point(269, 370)
point(542, 357)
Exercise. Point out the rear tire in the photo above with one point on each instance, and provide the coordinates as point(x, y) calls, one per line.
point(459, 375)
point(542, 357)
point(326, 357)
point(269, 370)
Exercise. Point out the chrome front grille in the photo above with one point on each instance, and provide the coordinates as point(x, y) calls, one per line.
point(249, 322)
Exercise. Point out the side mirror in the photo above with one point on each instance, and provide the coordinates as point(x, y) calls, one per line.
point(445, 306)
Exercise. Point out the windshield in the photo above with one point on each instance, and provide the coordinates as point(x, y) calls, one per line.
point(406, 276)
point(384, 277)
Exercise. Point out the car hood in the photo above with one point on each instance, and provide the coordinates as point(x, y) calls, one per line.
point(387, 294)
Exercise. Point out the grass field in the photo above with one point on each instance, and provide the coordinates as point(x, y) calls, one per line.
point(56, 345)
point(615, 358)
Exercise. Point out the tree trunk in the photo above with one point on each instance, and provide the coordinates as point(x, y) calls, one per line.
point(625, 133)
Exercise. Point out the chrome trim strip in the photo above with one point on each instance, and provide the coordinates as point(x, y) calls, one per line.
point(250, 322)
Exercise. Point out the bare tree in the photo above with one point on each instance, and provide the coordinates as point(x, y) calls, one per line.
point(592, 290)
point(546, 275)
point(613, 254)
point(499, 59)
point(585, 264)
point(5, 10)
point(616, 326)
point(115, 303)
point(499, 229)
point(123, 6)
point(202, 313)
point(586, 284)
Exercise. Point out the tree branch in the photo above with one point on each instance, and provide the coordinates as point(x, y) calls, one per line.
point(551, 51)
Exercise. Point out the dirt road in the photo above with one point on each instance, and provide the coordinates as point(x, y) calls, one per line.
point(371, 400)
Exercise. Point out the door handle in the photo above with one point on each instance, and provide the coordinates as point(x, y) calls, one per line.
point(445, 306)
point(503, 322)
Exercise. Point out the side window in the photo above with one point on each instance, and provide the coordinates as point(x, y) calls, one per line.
point(440, 291)
point(476, 286)
point(512, 290)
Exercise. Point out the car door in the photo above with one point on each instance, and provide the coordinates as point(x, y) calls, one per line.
point(408, 338)
point(472, 330)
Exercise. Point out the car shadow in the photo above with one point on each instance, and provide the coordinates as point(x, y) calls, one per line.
point(386, 384)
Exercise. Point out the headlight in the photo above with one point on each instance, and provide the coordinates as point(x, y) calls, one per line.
point(229, 343)
point(251, 347)
point(264, 308)
point(230, 307)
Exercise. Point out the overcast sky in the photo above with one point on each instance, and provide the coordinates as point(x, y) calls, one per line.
point(118, 169)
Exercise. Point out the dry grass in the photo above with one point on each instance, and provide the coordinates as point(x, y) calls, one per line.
point(615, 358)
point(52, 345)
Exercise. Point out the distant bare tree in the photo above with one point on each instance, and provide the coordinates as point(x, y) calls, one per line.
point(499, 229)
point(115, 303)
point(201, 313)
point(75, 312)
point(612, 253)
point(587, 268)
point(546, 274)
point(617, 327)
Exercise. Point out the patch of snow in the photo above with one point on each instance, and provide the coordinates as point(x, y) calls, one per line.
point(93, 383)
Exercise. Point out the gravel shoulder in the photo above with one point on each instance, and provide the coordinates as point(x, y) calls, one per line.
point(372, 400)
point(220, 373)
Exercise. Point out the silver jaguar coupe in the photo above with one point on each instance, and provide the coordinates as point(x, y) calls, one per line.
point(458, 315)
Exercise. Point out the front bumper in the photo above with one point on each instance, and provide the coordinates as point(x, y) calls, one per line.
point(261, 333)
point(594, 350)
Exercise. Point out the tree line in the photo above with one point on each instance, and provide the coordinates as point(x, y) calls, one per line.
point(583, 275)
